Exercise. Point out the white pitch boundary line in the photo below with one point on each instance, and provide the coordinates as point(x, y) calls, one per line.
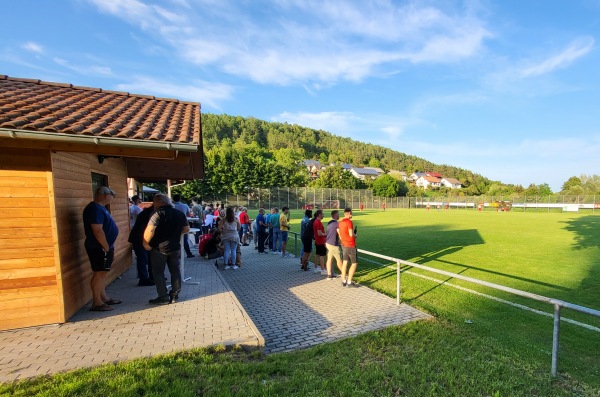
point(568, 320)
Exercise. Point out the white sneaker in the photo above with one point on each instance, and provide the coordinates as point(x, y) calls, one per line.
point(235, 267)
point(317, 270)
point(286, 255)
point(324, 273)
point(275, 252)
point(227, 267)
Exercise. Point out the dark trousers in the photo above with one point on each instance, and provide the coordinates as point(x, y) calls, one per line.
point(158, 262)
point(262, 236)
point(271, 243)
point(186, 245)
point(143, 263)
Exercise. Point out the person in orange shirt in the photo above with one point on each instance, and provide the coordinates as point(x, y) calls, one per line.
point(348, 239)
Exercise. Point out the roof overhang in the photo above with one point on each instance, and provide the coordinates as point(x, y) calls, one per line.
point(145, 159)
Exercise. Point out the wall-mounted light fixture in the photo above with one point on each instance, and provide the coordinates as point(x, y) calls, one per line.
point(101, 158)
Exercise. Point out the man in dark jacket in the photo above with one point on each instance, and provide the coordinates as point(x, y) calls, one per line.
point(162, 237)
point(136, 238)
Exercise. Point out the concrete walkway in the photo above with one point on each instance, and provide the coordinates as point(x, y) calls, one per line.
point(291, 309)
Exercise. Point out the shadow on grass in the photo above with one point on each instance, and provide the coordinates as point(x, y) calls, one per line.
point(587, 235)
point(429, 244)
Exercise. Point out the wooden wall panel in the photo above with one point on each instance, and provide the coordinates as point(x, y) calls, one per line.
point(72, 192)
point(29, 292)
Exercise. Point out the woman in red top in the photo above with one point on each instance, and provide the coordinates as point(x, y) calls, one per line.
point(320, 239)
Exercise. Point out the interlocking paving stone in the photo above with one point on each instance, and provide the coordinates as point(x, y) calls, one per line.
point(295, 309)
point(268, 302)
point(207, 314)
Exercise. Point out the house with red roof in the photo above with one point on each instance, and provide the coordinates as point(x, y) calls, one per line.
point(58, 143)
point(427, 181)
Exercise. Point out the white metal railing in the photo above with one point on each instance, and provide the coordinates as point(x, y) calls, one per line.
point(558, 304)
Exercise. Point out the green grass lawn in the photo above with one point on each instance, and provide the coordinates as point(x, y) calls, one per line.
point(552, 254)
point(502, 351)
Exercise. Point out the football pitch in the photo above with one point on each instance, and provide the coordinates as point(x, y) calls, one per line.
point(556, 255)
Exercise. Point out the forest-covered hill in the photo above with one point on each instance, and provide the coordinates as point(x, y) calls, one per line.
point(242, 152)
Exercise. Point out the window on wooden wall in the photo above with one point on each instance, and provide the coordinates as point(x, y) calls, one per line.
point(97, 181)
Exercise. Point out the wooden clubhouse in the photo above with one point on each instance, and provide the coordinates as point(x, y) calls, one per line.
point(58, 142)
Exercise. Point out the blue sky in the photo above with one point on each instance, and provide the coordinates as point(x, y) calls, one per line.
point(508, 89)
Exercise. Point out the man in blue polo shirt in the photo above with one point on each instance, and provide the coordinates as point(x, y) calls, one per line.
point(100, 235)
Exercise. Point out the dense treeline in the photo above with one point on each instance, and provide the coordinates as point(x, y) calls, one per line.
point(306, 143)
point(247, 152)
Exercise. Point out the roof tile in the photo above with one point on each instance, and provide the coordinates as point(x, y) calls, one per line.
point(30, 104)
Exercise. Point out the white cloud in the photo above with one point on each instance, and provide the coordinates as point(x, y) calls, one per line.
point(374, 128)
point(334, 122)
point(524, 76)
point(306, 42)
point(92, 70)
point(574, 51)
point(33, 47)
point(211, 94)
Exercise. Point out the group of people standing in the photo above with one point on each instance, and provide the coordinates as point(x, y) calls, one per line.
point(336, 241)
point(155, 237)
point(275, 227)
point(156, 232)
point(327, 243)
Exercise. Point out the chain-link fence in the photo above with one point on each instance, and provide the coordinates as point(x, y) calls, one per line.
point(326, 198)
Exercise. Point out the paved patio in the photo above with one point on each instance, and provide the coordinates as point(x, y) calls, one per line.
point(267, 303)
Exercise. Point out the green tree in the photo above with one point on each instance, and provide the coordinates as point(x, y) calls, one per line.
point(337, 177)
point(386, 186)
point(375, 163)
point(545, 190)
point(590, 184)
point(572, 182)
point(532, 190)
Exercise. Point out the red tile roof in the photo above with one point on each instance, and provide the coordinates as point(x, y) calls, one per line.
point(36, 105)
point(432, 179)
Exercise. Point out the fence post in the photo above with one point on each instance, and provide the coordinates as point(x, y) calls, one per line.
point(398, 283)
point(296, 244)
point(555, 338)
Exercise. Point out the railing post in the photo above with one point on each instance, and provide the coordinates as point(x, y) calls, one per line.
point(555, 338)
point(296, 244)
point(398, 283)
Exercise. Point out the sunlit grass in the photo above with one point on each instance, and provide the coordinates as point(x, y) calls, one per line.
point(500, 351)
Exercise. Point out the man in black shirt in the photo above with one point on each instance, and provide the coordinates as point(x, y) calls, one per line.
point(162, 237)
point(136, 238)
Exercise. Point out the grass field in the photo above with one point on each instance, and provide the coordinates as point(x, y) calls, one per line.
point(551, 254)
point(501, 351)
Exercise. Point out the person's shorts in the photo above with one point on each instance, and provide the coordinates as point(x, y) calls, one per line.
point(320, 249)
point(101, 261)
point(284, 237)
point(307, 245)
point(245, 228)
point(349, 254)
point(333, 251)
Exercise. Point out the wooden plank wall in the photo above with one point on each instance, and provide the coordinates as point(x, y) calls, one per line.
point(73, 191)
point(29, 289)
